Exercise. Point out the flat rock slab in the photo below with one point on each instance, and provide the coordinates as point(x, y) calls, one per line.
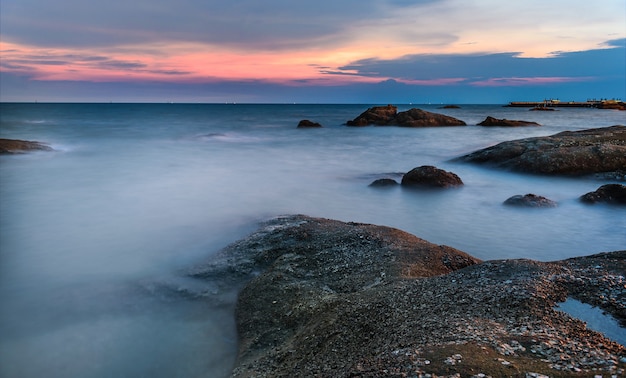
point(16, 146)
point(601, 150)
point(326, 298)
point(491, 121)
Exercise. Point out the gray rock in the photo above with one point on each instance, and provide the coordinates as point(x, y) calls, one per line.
point(384, 183)
point(583, 152)
point(530, 200)
point(491, 121)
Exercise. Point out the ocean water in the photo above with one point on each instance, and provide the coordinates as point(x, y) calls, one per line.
point(136, 194)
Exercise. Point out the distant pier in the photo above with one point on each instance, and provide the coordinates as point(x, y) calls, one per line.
point(598, 104)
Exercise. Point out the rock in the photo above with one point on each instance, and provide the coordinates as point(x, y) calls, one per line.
point(601, 150)
point(420, 118)
point(491, 121)
point(15, 146)
point(323, 298)
point(305, 123)
point(388, 116)
point(429, 176)
point(610, 193)
point(384, 182)
point(530, 200)
point(450, 107)
point(377, 115)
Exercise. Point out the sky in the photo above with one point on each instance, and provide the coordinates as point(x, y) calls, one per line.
point(339, 51)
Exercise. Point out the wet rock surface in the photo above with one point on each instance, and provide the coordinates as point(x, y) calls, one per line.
point(529, 200)
point(15, 146)
point(609, 193)
point(592, 151)
point(491, 121)
point(389, 116)
point(431, 177)
point(326, 298)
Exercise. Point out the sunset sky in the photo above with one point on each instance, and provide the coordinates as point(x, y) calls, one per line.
point(365, 51)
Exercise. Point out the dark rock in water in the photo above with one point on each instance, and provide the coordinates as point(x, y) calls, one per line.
point(388, 116)
point(568, 153)
point(420, 118)
point(429, 176)
point(450, 107)
point(15, 146)
point(377, 115)
point(324, 298)
point(384, 182)
point(610, 193)
point(491, 121)
point(305, 123)
point(530, 200)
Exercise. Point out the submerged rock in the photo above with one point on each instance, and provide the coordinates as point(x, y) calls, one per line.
point(491, 121)
point(610, 193)
point(601, 150)
point(384, 182)
point(429, 176)
point(530, 200)
point(389, 116)
point(305, 123)
point(326, 298)
point(15, 146)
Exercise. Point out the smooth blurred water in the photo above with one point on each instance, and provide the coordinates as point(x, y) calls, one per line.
point(137, 193)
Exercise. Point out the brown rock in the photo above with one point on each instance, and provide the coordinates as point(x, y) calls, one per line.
point(601, 150)
point(325, 298)
point(491, 121)
point(388, 116)
point(429, 176)
point(610, 193)
point(15, 146)
point(420, 118)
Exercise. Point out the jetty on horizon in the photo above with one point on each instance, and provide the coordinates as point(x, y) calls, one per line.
point(555, 103)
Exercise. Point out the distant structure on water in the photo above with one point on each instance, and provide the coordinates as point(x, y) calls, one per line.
point(552, 103)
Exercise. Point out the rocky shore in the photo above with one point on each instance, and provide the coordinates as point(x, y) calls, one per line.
point(323, 298)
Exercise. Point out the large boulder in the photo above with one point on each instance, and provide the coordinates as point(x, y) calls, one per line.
point(16, 146)
point(491, 121)
point(430, 177)
point(530, 200)
point(609, 193)
point(388, 116)
point(601, 150)
point(324, 298)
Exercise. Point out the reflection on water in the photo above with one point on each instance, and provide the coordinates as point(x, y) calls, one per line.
point(139, 193)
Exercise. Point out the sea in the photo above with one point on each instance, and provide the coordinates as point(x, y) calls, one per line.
point(97, 236)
